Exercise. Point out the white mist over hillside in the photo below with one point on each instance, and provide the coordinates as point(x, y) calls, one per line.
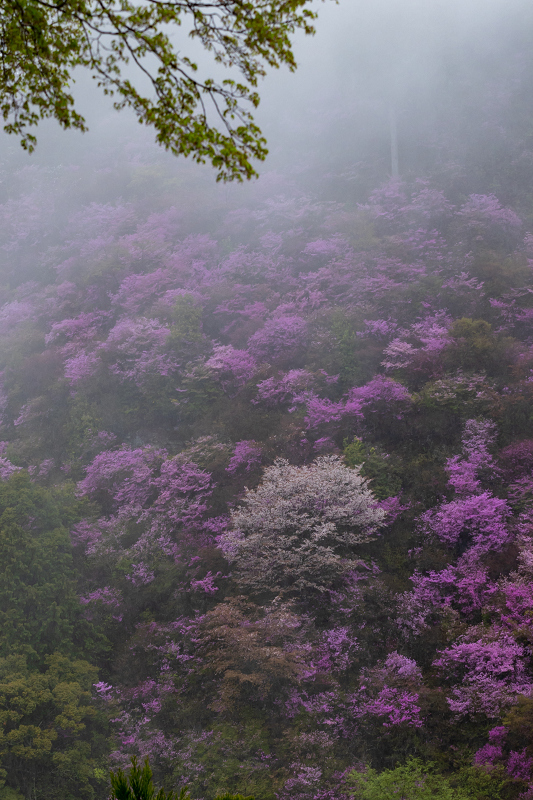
point(414, 56)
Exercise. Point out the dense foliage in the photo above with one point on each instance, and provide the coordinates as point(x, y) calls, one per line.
point(266, 489)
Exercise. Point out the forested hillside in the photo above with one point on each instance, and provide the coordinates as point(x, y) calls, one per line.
point(266, 496)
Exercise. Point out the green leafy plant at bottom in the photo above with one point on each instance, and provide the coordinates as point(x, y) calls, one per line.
point(138, 785)
point(412, 781)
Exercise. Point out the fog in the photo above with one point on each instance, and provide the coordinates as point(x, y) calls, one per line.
point(266, 448)
point(433, 63)
point(438, 90)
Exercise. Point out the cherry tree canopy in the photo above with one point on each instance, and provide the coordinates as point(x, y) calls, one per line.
point(297, 531)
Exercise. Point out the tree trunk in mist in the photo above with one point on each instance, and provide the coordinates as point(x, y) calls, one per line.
point(395, 170)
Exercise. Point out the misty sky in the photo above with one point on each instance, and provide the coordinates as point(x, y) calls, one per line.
point(366, 55)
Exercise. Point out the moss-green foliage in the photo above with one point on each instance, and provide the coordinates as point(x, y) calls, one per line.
point(519, 722)
point(46, 713)
point(202, 392)
point(475, 344)
point(38, 604)
point(233, 759)
point(354, 359)
point(482, 784)
point(7, 793)
point(478, 348)
point(445, 402)
point(84, 422)
point(384, 476)
point(412, 781)
point(46, 720)
point(500, 273)
point(18, 351)
point(186, 329)
point(354, 452)
point(516, 414)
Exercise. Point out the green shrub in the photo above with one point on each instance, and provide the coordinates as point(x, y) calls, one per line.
point(412, 781)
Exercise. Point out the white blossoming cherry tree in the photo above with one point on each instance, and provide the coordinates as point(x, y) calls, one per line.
point(296, 535)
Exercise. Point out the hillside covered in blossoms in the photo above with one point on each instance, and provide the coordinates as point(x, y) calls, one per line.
point(266, 474)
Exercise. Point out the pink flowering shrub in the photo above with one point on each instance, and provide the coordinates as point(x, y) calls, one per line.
point(135, 349)
point(492, 752)
point(390, 693)
point(123, 474)
point(137, 293)
point(519, 765)
point(81, 366)
point(291, 388)
point(421, 344)
point(393, 707)
point(478, 520)
point(108, 597)
point(516, 602)
point(379, 396)
point(336, 650)
point(407, 207)
point(490, 672)
point(165, 498)
point(279, 337)
point(232, 367)
point(7, 468)
point(484, 212)
point(465, 587)
point(477, 437)
point(247, 456)
point(323, 412)
point(382, 392)
point(378, 328)
point(399, 354)
point(517, 458)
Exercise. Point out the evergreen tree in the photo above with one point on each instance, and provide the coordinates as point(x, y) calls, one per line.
point(38, 604)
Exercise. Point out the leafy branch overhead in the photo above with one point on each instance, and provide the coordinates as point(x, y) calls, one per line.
point(42, 42)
